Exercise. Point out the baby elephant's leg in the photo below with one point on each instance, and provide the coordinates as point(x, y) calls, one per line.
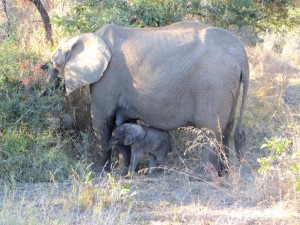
point(136, 156)
point(162, 160)
point(124, 153)
point(152, 164)
point(162, 153)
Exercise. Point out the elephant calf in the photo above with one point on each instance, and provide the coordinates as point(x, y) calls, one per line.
point(155, 142)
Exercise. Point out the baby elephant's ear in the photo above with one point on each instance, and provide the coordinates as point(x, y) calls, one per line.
point(134, 133)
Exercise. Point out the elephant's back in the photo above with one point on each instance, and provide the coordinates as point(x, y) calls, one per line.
point(191, 40)
point(182, 31)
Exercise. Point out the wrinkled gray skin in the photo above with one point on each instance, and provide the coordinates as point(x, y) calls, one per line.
point(155, 142)
point(183, 74)
point(123, 115)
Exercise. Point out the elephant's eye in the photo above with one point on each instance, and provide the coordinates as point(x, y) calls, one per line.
point(58, 65)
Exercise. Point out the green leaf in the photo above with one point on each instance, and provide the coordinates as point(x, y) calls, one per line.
point(264, 146)
point(260, 171)
point(88, 176)
point(126, 187)
point(294, 166)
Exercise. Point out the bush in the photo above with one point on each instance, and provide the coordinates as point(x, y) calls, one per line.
point(91, 15)
point(30, 157)
point(31, 146)
point(282, 162)
point(147, 13)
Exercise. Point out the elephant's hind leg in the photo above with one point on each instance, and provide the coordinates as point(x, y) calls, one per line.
point(213, 152)
point(226, 136)
point(225, 144)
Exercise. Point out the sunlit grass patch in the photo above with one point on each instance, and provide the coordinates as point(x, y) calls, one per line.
point(80, 201)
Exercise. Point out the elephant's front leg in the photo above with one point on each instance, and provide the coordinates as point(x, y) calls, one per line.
point(136, 156)
point(102, 127)
point(102, 134)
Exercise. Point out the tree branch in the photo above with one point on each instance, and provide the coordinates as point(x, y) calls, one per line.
point(45, 17)
point(7, 27)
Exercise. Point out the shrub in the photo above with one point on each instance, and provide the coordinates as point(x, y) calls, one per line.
point(91, 15)
point(31, 146)
point(282, 163)
point(146, 13)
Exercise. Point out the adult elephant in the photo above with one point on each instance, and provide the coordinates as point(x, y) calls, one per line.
point(183, 74)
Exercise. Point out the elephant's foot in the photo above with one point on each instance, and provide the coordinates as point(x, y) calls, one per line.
point(205, 172)
point(164, 169)
point(239, 143)
point(122, 171)
point(147, 171)
point(99, 166)
point(130, 175)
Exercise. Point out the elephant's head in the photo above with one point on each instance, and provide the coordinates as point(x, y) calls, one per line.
point(127, 134)
point(81, 60)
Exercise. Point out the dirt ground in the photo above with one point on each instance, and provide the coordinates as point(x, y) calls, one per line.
point(163, 198)
point(166, 197)
point(173, 199)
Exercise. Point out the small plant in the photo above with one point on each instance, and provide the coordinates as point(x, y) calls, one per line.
point(282, 161)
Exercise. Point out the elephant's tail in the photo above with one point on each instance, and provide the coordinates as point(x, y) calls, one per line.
point(239, 134)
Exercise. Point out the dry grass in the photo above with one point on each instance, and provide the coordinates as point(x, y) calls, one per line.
point(159, 199)
point(273, 113)
point(76, 202)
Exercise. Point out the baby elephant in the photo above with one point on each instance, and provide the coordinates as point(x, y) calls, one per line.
point(155, 142)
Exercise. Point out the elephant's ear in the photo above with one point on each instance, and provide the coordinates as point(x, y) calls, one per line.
point(134, 133)
point(86, 58)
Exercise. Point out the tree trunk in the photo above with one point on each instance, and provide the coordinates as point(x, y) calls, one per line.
point(45, 17)
point(7, 27)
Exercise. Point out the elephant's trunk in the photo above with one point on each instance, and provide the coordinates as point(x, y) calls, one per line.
point(53, 81)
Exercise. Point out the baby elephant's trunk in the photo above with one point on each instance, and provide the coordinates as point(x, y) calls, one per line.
point(109, 147)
